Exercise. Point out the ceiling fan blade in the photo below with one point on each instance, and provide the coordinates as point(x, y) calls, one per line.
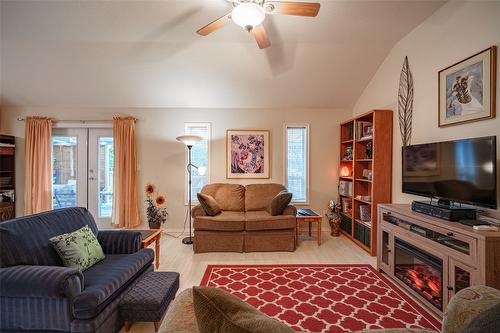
point(292, 8)
point(260, 35)
point(212, 26)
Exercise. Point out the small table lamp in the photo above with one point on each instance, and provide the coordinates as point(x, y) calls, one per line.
point(190, 141)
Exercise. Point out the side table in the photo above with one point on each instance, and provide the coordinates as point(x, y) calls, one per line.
point(311, 217)
point(150, 236)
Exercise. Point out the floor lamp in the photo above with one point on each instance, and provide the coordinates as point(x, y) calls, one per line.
point(189, 141)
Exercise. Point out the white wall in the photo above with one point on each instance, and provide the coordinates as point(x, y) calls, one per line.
point(454, 32)
point(161, 158)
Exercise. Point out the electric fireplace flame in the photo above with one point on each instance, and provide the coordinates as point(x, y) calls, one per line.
point(423, 279)
point(419, 270)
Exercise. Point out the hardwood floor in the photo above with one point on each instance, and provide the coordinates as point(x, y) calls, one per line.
point(178, 257)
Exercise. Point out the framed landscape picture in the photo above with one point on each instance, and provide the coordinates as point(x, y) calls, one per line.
point(467, 89)
point(247, 154)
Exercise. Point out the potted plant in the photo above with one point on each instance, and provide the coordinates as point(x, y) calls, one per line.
point(156, 211)
point(334, 217)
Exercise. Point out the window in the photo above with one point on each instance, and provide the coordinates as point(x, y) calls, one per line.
point(199, 157)
point(297, 161)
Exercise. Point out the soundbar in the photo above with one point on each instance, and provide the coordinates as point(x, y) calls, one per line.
point(443, 212)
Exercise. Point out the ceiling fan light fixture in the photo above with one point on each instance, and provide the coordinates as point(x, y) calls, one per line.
point(248, 15)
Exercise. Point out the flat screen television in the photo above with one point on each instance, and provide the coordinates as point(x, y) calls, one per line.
point(462, 171)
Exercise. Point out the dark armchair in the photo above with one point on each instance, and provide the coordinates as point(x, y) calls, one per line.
point(59, 298)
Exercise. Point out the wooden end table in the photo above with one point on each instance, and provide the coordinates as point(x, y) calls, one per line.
point(316, 218)
point(148, 237)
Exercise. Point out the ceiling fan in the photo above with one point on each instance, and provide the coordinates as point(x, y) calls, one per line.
point(249, 14)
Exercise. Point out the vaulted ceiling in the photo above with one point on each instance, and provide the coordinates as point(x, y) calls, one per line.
point(147, 54)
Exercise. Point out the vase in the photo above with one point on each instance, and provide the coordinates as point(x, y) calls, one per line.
point(334, 221)
point(154, 224)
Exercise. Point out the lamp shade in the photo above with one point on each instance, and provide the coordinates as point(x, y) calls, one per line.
point(202, 170)
point(248, 15)
point(189, 140)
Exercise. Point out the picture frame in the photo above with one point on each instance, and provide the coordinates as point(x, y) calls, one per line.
point(367, 131)
point(248, 154)
point(467, 89)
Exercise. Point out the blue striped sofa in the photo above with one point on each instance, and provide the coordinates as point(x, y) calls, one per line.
point(39, 294)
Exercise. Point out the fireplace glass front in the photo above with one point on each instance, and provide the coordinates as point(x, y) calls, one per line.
point(419, 270)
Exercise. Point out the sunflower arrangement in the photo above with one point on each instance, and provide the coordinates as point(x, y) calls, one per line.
point(156, 210)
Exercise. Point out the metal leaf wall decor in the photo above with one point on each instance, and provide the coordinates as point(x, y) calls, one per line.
point(405, 103)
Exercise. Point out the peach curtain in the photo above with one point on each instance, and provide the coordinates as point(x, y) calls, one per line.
point(125, 209)
point(37, 168)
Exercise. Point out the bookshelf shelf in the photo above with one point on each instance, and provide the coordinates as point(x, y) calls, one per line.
point(367, 224)
point(374, 154)
point(363, 201)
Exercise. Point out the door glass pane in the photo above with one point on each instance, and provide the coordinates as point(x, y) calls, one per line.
point(105, 166)
point(385, 247)
point(64, 171)
point(462, 279)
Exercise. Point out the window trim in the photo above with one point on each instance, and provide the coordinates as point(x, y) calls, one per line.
point(187, 125)
point(308, 154)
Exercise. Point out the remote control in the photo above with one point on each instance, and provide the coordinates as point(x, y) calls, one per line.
point(485, 228)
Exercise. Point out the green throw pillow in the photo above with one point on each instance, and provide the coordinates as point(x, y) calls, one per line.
point(79, 249)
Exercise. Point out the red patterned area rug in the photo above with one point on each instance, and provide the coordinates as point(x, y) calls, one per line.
point(322, 298)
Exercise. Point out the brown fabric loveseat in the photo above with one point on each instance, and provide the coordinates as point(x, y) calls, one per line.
point(244, 225)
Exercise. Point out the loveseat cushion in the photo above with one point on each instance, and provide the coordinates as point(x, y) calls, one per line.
point(225, 221)
point(229, 196)
point(217, 310)
point(279, 203)
point(259, 196)
point(487, 321)
point(107, 279)
point(262, 220)
point(210, 206)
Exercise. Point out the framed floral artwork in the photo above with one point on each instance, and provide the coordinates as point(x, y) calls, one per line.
point(247, 154)
point(467, 89)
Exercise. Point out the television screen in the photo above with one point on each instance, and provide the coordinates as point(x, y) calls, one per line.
point(461, 171)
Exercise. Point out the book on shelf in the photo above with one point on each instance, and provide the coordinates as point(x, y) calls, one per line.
point(345, 188)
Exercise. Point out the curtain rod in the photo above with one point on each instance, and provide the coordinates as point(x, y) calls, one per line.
point(75, 121)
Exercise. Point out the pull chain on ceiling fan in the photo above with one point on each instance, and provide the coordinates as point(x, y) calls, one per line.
point(249, 14)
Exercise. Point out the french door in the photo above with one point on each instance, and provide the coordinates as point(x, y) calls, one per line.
point(82, 170)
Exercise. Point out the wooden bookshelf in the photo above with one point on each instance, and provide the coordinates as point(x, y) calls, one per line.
point(7, 177)
point(379, 162)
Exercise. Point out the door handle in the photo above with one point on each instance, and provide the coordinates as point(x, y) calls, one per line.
point(91, 178)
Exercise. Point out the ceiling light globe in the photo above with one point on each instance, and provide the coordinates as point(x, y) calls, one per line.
point(248, 15)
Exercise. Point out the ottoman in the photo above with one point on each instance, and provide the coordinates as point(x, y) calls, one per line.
point(149, 298)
